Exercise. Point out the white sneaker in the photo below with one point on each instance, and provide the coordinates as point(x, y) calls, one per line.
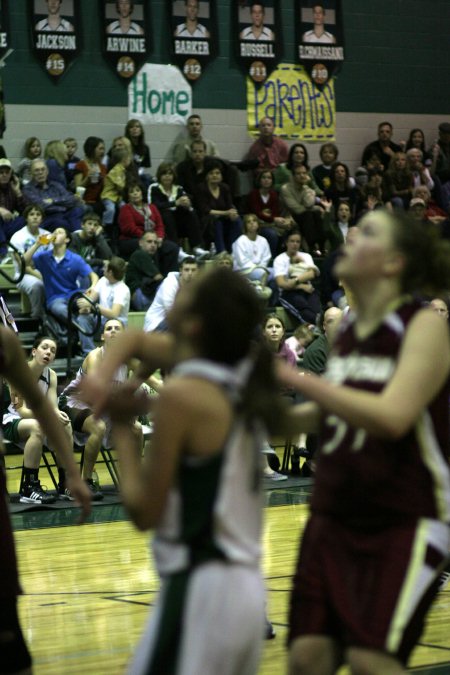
point(201, 253)
point(275, 476)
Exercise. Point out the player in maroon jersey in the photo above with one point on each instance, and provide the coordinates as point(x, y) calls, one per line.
point(14, 655)
point(378, 536)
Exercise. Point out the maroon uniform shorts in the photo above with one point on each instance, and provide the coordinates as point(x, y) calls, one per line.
point(368, 589)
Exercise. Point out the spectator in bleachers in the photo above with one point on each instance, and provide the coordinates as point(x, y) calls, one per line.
point(314, 361)
point(336, 225)
point(433, 212)
point(55, 155)
point(60, 206)
point(61, 271)
point(71, 162)
point(417, 210)
point(181, 149)
point(156, 315)
point(143, 275)
point(298, 156)
point(416, 140)
point(217, 211)
point(192, 171)
point(441, 161)
point(264, 201)
point(115, 184)
point(175, 206)
point(251, 252)
point(342, 187)
point(333, 292)
point(398, 181)
point(322, 172)
point(134, 131)
point(302, 336)
point(294, 270)
point(223, 259)
point(90, 243)
point(303, 204)
point(110, 293)
point(31, 150)
point(12, 202)
point(23, 239)
point(383, 147)
point(420, 173)
point(118, 143)
point(371, 195)
point(21, 427)
point(269, 150)
point(440, 306)
point(137, 217)
point(90, 172)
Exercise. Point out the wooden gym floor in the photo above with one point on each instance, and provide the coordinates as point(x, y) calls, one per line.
point(88, 590)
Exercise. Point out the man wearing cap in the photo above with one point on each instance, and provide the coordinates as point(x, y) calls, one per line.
point(417, 208)
point(441, 161)
point(384, 147)
point(12, 202)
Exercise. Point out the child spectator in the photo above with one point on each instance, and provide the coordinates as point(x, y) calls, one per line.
point(322, 172)
point(32, 150)
point(71, 162)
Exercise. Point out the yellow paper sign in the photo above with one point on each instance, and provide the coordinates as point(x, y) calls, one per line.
point(298, 108)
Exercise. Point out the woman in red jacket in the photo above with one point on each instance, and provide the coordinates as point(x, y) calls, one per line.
point(265, 203)
point(137, 217)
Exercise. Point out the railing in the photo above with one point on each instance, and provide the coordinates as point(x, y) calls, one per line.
point(74, 326)
point(20, 262)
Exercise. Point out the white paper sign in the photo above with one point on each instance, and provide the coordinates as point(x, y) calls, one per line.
point(159, 95)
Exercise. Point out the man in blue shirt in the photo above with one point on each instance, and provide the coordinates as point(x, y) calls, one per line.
point(61, 271)
point(61, 207)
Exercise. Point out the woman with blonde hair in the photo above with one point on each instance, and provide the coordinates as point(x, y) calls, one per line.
point(55, 155)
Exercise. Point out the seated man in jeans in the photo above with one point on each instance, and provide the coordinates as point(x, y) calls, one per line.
point(60, 206)
point(61, 271)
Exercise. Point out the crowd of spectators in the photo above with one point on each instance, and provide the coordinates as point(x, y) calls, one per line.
point(283, 234)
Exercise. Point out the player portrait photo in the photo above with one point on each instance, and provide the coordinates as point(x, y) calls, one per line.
point(57, 16)
point(125, 22)
point(260, 22)
point(317, 17)
point(191, 26)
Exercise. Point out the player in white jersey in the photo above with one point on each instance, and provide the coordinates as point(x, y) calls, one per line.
point(199, 488)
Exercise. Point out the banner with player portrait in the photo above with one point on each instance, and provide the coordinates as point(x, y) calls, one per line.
point(257, 29)
point(5, 35)
point(320, 38)
point(194, 35)
point(126, 39)
point(56, 34)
